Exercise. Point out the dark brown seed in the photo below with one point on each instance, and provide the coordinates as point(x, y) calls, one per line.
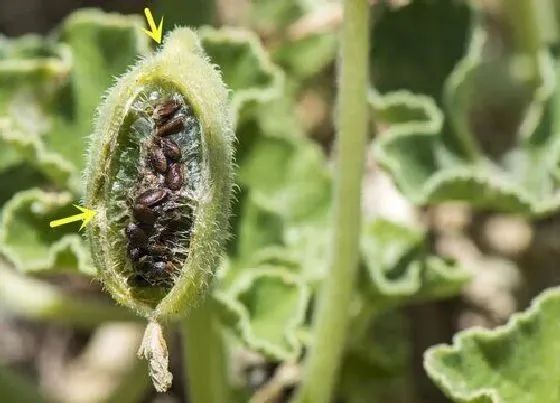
point(136, 253)
point(135, 235)
point(164, 110)
point(169, 267)
point(174, 177)
point(151, 197)
point(143, 214)
point(157, 159)
point(172, 126)
point(171, 150)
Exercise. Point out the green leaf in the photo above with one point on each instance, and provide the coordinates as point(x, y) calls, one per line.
point(285, 174)
point(270, 15)
point(305, 57)
point(310, 245)
point(17, 178)
point(400, 269)
point(31, 245)
point(103, 46)
point(257, 229)
point(433, 34)
point(498, 149)
point(517, 362)
point(49, 92)
point(245, 65)
point(264, 307)
point(32, 69)
point(299, 33)
point(192, 13)
point(287, 177)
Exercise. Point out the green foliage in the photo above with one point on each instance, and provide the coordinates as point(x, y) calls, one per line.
point(416, 46)
point(480, 130)
point(400, 268)
point(31, 247)
point(483, 153)
point(265, 308)
point(50, 91)
point(513, 363)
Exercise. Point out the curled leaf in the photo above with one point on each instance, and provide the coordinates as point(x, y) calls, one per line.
point(265, 306)
point(245, 65)
point(400, 269)
point(49, 90)
point(28, 242)
point(499, 148)
point(510, 364)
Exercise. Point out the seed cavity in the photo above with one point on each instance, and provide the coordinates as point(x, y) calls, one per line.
point(161, 196)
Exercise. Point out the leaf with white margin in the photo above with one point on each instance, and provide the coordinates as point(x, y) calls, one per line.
point(49, 93)
point(30, 244)
point(265, 307)
point(245, 65)
point(517, 362)
point(400, 269)
point(432, 163)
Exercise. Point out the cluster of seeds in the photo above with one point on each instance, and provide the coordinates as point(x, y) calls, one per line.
point(159, 234)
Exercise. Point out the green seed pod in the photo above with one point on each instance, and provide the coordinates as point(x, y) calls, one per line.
point(159, 177)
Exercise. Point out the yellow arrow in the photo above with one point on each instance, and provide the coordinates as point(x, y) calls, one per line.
point(155, 33)
point(86, 215)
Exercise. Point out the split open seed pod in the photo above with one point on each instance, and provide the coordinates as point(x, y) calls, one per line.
point(159, 177)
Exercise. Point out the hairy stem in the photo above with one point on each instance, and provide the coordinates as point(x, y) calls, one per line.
point(204, 356)
point(331, 318)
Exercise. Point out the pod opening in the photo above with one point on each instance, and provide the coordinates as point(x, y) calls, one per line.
point(156, 188)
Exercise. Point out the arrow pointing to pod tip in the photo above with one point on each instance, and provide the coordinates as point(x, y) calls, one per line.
point(155, 32)
point(86, 215)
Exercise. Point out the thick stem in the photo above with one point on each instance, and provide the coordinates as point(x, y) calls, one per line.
point(204, 356)
point(331, 318)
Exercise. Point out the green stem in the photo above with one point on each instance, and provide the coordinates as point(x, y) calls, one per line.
point(527, 35)
point(331, 318)
point(204, 356)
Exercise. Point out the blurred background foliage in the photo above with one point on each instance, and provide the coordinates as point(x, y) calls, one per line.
point(460, 199)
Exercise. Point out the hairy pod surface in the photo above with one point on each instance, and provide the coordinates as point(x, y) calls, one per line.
point(159, 177)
